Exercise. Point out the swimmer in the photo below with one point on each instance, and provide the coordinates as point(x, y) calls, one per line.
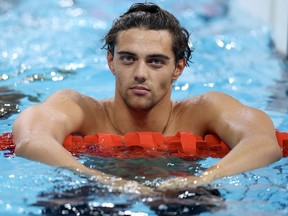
point(147, 50)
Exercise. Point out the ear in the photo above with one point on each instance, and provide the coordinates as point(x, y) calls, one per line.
point(110, 62)
point(180, 65)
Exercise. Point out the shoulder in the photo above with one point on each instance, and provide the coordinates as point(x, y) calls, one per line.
point(208, 100)
point(69, 101)
point(84, 111)
point(214, 97)
point(65, 94)
point(70, 96)
point(222, 110)
point(210, 107)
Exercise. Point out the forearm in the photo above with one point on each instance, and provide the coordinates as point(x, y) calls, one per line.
point(52, 153)
point(250, 153)
point(47, 150)
point(38, 134)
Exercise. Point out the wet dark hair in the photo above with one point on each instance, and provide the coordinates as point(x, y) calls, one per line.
point(151, 16)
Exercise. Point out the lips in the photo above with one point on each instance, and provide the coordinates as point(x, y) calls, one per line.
point(139, 90)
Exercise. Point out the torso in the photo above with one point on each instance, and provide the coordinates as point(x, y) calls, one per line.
point(186, 115)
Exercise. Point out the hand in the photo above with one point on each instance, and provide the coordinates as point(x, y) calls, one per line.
point(184, 183)
point(117, 184)
point(132, 187)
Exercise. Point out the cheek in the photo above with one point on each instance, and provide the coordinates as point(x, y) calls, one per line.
point(121, 79)
point(165, 83)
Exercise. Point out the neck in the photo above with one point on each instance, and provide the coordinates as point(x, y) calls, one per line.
point(125, 119)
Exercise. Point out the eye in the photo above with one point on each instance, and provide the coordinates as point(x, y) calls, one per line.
point(157, 62)
point(127, 59)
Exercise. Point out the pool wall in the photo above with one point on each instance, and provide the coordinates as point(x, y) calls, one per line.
point(274, 13)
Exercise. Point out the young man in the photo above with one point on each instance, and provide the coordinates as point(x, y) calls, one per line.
point(147, 50)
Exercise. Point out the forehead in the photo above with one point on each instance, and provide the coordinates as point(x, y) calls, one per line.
point(145, 41)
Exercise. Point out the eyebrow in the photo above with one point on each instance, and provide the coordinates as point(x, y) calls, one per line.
point(126, 53)
point(149, 56)
point(159, 56)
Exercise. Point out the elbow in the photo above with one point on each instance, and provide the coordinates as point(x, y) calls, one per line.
point(21, 143)
point(24, 144)
point(269, 149)
point(21, 147)
point(278, 153)
point(22, 135)
point(274, 153)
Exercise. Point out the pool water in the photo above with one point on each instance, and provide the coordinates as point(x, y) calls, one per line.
point(50, 45)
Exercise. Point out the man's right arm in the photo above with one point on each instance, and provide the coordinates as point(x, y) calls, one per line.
point(39, 132)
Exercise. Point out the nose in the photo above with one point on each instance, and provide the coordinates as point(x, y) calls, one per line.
point(140, 72)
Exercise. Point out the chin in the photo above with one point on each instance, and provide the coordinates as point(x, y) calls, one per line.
point(140, 106)
point(139, 103)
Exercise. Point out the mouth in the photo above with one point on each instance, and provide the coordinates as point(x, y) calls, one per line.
point(139, 90)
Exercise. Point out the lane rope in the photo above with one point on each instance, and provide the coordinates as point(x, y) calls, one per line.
point(145, 144)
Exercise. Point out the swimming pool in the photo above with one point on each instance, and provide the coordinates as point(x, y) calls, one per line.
point(50, 45)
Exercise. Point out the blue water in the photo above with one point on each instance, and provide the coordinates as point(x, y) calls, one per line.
point(50, 45)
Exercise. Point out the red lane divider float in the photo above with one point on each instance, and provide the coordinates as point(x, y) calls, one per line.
point(7, 143)
point(145, 144)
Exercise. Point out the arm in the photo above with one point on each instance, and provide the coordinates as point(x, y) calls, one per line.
point(39, 132)
point(249, 133)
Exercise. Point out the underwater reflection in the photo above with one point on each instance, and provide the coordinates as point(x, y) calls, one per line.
point(93, 199)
